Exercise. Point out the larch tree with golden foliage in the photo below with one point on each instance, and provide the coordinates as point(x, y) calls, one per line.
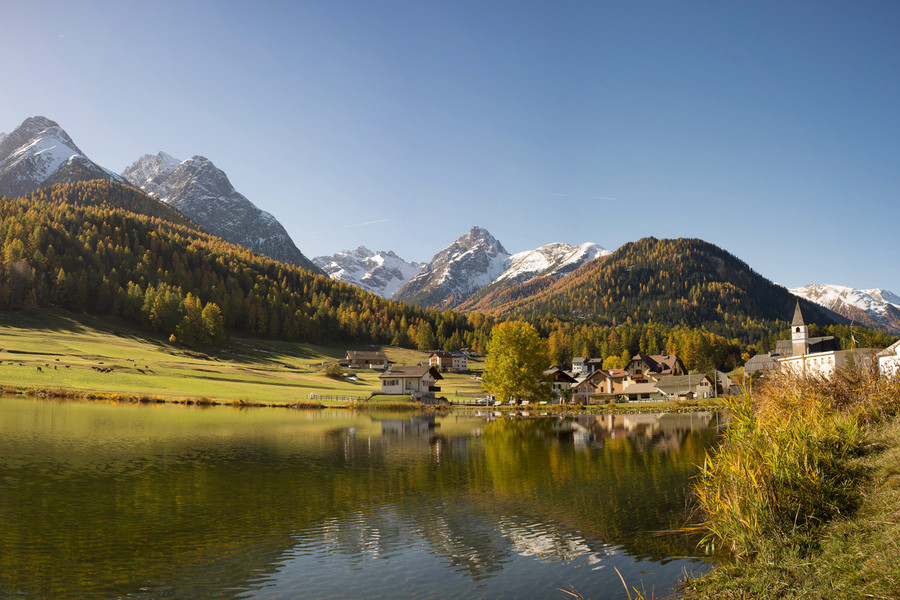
point(515, 363)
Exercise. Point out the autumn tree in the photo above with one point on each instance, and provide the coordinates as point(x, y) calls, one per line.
point(515, 363)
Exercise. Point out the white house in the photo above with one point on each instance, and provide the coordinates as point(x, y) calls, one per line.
point(417, 381)
point(889, 360)
point(460, 361)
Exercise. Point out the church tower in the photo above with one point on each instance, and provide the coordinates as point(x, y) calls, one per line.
point(799, 333)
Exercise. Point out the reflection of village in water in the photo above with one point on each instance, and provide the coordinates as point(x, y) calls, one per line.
point(475, 541)
point(660, 431)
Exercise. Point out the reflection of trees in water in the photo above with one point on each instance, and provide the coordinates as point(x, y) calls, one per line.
point(224, 507)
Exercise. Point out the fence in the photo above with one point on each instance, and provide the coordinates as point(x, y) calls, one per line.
point(334, 398)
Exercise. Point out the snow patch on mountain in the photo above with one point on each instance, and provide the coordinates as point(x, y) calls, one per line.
point(379, 272)
point(874, 307)
point(38, 153)
point(468, 264)
point(553, 259)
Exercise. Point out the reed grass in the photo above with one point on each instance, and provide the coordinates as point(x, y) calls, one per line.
point(795, 465)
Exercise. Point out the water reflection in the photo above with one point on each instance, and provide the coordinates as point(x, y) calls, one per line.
point(170, 501)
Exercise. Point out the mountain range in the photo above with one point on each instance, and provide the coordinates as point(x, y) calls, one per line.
point(379, 272)
point(39, 153)
point(474, 273)
point(876, 308)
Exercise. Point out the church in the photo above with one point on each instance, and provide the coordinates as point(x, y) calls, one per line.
point(820, 356)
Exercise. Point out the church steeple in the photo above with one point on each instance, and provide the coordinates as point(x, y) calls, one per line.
point(799, 333)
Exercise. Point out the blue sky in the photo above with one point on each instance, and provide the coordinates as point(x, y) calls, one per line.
point(768, 128)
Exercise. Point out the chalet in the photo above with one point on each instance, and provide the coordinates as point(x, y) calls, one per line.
point(645, 368)
point(889, 360)
point(582, 364)
point(441, 360)
point(599, 385)
point(449, 360)
point(560, 381)
point(820, 356)
point(686, 387)
point(417, 381)
point(366, 360)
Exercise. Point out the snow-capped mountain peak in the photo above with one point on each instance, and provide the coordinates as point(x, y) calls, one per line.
point(379, 272)
point(40, 153)
point(874, 307)
point(466, 265)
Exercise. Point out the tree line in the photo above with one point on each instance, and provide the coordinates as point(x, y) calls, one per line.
point(168, 276)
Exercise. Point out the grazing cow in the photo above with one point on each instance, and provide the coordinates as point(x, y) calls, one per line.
point(39, 369)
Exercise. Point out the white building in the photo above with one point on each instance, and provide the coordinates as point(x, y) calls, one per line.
point(889, 360)
point(817, 356)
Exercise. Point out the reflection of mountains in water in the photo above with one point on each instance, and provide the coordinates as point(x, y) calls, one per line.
point(660, 431)
point(468, 540)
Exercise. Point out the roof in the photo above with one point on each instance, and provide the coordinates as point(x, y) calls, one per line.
point(798, 316)
point(578, 359)
point(825, 343)
point(658, 363)
point(691, 380)
point(408, 372)
point(365, 355)
point(441, 354)
point(890, 350)
point(556, 371)
point(641, 388)
point(761, 362)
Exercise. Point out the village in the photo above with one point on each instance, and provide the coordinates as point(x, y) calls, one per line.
point(646, 378)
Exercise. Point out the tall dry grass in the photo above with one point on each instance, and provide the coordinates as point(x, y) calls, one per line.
point(785, 466)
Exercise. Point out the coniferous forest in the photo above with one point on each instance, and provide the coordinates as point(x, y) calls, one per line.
point(109, 249)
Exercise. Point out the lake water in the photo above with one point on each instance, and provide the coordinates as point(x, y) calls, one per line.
point(173, 502)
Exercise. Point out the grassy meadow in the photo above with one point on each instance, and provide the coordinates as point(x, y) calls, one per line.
point(74, 354)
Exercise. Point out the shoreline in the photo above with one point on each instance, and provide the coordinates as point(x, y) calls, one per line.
point(541, 410)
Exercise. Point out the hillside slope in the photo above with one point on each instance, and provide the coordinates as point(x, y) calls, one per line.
point(671, 282)
point(73, 247)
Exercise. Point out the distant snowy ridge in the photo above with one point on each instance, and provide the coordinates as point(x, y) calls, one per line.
point(39, 153)
point(200, 190)
point(379, 272)
point(477, 260)
point(876, 307)
point(553, 259)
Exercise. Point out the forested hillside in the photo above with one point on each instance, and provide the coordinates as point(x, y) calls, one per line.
point(686, 282)
point(682, 296)
point(108, 249)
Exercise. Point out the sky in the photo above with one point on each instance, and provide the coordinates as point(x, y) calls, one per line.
point(767, 128)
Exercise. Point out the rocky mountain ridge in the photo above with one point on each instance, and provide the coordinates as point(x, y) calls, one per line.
point(378, 272)
point(200, 190)
point(876, 308)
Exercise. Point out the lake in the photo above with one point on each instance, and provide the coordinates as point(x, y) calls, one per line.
point(168, 501)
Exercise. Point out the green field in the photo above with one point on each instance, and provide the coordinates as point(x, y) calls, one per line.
point(85, 354)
